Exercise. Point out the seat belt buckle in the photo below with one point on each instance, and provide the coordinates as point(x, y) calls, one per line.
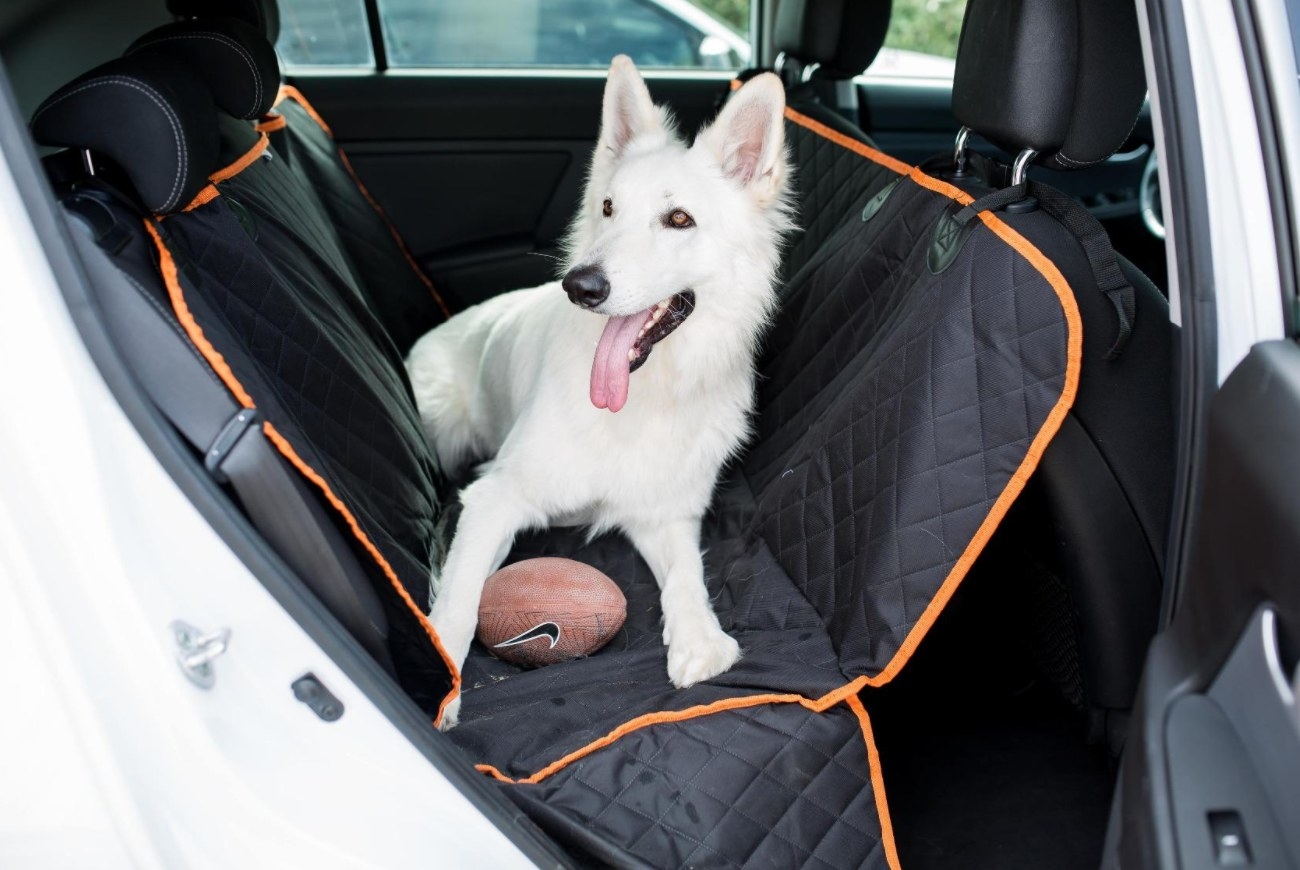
point(226, 440)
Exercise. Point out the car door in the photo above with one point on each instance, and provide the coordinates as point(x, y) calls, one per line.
point(1211, 773)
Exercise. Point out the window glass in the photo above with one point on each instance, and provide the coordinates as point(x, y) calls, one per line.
point(324, 33)
point(565, 33)
point(922, 39)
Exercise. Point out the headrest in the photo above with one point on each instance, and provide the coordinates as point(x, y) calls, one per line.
point(261, 14)
point(1063, 77)
point(235, 61)
point(843, 36)
point(151, 116)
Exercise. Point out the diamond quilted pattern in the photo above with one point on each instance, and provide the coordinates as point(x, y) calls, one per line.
point(770, 786)
point(895, 406)
point(785, 643)
point(401, 299)
point(893, 426)
point(302, 339)
point(829, 180)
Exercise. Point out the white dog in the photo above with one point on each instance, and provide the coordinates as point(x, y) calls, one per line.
point(672, 261)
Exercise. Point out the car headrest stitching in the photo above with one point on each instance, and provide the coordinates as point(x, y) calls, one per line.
point(182, 155)
point(222, 39)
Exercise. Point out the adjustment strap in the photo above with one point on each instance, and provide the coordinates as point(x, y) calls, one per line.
point(1076, 219)
point(1096, 244)
point(998, 199)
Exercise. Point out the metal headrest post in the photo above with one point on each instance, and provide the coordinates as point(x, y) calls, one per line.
point(959, 153)
point(1022, 163)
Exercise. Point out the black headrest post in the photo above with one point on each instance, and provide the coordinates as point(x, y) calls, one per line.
point(149, 115)
point(824, 44)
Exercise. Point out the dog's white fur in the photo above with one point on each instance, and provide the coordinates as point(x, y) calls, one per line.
point(509, 378)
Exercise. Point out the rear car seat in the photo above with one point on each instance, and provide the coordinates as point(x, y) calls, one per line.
point(905, 402)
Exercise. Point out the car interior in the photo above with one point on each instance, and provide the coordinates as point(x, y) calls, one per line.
point(943, 551)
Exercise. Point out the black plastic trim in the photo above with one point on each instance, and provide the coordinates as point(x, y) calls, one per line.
point(375, 26)
point(1197, 363)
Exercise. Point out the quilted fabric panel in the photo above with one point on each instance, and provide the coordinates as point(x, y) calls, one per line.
point(895, 406)
point(828, 181)
point(772, 786)
point(786, 649)
point(303, 343)
point(898, 417)
point(404, 303)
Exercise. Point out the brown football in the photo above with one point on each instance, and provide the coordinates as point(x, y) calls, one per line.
point(542, 611)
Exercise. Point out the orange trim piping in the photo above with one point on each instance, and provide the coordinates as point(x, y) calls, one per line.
point(817, 705)
point(203, 197)
point(271, 122)
point(167, 267)
point(877, 782)
point(292, 93)
point(644, 722)
point(210, 192)
point(872, 154)
point(228, 172)
point(1033, 455)
point(860, 148)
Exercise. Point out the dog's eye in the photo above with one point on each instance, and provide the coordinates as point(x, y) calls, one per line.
point(679, 220)
point(609, 208)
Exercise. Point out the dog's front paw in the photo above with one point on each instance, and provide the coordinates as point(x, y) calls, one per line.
point(450, 715)
point(698, 655)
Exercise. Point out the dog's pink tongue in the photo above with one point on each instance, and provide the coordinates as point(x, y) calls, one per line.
point(610, 370)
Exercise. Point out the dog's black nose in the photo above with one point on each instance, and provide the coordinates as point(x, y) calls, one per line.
point(586, 286)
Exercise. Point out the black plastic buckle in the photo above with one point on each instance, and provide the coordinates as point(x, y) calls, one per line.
point(226, 440)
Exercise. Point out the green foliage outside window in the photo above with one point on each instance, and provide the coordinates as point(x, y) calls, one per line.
point(926, 26)
point(733, 12)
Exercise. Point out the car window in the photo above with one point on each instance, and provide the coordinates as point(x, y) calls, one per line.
point(324, 33)
point(691, 34)
point(922, 40)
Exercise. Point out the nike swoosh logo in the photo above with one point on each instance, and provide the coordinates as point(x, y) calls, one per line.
point(545, 629)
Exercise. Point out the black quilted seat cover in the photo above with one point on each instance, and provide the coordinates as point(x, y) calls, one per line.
point(402, 296)
point(900, 412)
point(828, 179)
point(901, 408)
point(266, 279)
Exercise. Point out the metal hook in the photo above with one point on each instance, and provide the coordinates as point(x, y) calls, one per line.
point(1018, 168)
point(959, 150)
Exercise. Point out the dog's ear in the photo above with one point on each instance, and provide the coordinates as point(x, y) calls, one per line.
point(748, 136)
point(628, 111)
